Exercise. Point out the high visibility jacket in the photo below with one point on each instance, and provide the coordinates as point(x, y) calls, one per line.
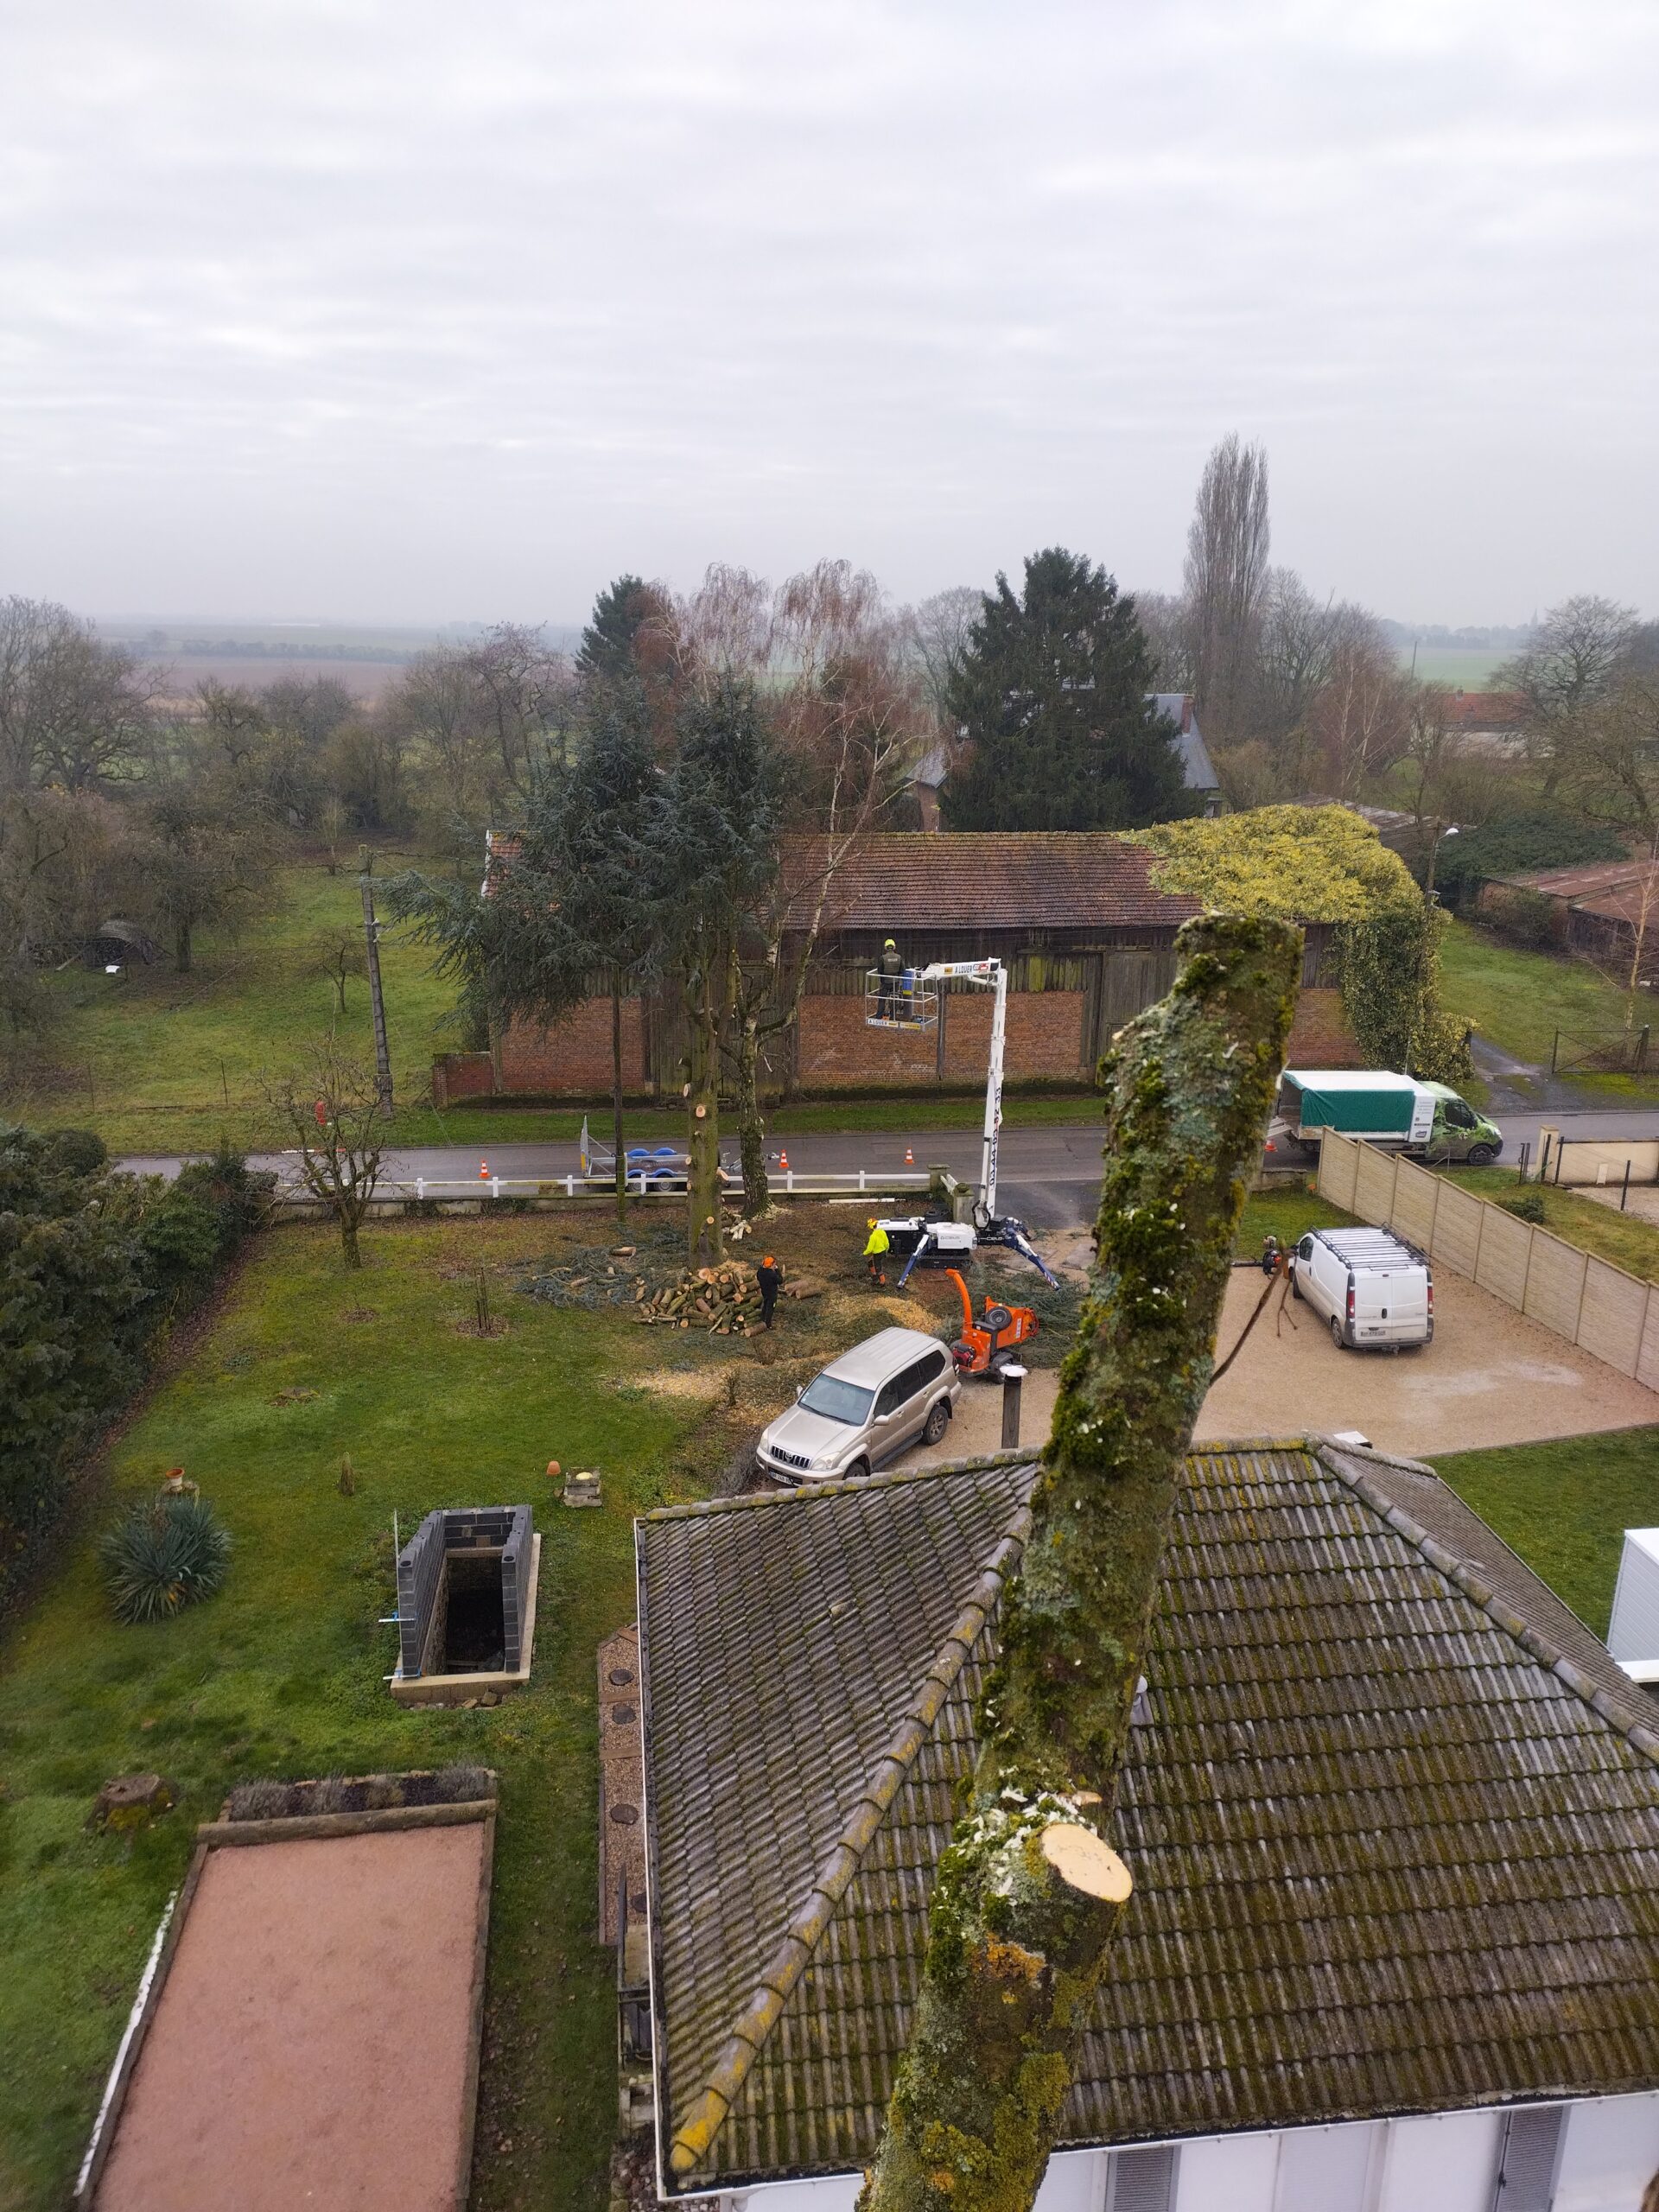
point(880, 1242)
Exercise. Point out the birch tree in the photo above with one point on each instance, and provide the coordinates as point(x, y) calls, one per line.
point(1027, 1897)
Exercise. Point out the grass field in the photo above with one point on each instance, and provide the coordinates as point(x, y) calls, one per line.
point(1518, 1001)
point(1564, 1507)
point(281, 1673)
point(1467, 668)
point(160, 1063)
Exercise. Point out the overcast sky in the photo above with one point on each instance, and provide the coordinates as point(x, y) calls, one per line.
point(383, 311)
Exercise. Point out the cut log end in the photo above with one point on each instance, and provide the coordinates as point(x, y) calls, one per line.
point(1084, 1862)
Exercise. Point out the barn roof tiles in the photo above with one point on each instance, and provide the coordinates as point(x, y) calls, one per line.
point(990, 880)
point(1394, 1848)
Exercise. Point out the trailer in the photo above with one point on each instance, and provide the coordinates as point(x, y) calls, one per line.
point(1394, 1111)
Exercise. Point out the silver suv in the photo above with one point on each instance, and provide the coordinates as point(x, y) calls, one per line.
point(895, 1390)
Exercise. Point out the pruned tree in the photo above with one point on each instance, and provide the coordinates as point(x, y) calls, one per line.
point(1225, 578)
point(1027, 1898)
point(209, 848)
point(717, 814)
point(328, 1111)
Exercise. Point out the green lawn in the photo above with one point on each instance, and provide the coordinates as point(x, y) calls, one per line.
point(1467, 668)
point(281, 1673)
point(1518, 1001)
point(1564, 1507)
point(1621, 1237)
point(159, 1063)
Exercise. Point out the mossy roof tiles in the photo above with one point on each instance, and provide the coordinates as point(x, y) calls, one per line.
point(1388, 1856)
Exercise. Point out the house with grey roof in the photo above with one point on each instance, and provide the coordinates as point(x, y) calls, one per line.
point(1392, 1814)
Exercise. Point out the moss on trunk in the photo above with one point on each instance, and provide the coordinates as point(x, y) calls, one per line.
point(1016, 1952)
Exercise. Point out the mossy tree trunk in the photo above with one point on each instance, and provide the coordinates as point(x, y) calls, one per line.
point(1027, 1897)
point(616, 1097)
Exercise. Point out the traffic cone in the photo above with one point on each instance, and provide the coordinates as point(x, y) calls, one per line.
point(483, 1171)
point(782, 1161)
point(910, 1157)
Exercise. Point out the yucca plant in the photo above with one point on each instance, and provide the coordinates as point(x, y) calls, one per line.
point(163, 1555)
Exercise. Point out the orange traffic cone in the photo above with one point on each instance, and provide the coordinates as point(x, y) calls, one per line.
point(782, 1161)
point(910, 1157)
point(483, 1171)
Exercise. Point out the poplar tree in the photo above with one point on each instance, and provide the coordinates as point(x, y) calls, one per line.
point(1052, 695)
point(1028, 1896)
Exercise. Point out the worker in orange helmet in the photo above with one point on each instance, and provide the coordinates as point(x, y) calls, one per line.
point(769, 1276)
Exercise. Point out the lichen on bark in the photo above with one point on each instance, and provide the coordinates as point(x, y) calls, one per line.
point(1015, 1954)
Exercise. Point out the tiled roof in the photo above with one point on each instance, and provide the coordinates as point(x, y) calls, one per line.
point(1579, 886)
point(1393, 1851)
point(997, 879)
point(1197, 766)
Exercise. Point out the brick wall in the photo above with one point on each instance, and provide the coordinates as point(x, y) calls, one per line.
point(840, 1051)
point(1319, 1036)
point(461, 1074)
point(576, 1058)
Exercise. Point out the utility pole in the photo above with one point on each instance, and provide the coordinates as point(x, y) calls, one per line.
point(377, 1004)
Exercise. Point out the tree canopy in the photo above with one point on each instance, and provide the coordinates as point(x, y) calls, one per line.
point(1051, 695)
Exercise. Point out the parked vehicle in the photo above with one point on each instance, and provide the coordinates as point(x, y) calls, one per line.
point(1394, 1111)
point(1373, 1288)
point(896, 1389)
point(987, 1345)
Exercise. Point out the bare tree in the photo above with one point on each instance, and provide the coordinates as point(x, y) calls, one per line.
point(1359, 717)
point(1163, 620)
point(1571, 662)
point(1432, 756)
point(1225, 578)
point(74, 711)
point(938, 629)
point(1028, 1897)
point(328, 1110)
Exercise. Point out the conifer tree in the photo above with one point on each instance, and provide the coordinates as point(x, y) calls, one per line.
point(1051, 695)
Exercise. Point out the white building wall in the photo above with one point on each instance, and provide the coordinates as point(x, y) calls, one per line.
point(1444, 2162)
point(1611, 2154)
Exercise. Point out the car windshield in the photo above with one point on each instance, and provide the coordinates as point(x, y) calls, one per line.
point(838, 1401)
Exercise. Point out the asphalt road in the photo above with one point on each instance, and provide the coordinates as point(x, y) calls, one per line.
point(1049, 1177)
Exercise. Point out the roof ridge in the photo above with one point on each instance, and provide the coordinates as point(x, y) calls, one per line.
point(732, 2064)
point(1538, 1646)
point(705, 1508)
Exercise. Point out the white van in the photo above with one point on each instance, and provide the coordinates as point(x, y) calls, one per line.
point(1372, 1289)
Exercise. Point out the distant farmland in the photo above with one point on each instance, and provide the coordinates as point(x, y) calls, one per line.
point(364, 679)
point(1466, 667)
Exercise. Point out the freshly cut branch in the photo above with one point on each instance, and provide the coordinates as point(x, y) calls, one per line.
point(1028, 1895)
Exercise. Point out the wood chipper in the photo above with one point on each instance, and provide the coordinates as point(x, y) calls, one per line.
point(986, 1345)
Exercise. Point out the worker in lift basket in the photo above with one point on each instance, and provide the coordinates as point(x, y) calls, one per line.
point(892, 968)
point(875, 1251)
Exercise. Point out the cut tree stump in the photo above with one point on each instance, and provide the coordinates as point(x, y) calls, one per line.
point(131, 1800)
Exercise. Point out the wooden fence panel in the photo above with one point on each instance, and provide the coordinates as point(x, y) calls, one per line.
point(1416, 1193)
point(1374, 1183)
point(1457, 1229)
point(1554, 1285)
point(1339, 1166)
point(1505, 1248)
point(1611, 1317)
point(1647, 1359)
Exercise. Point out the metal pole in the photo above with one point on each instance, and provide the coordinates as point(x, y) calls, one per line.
point(993, 1093)
point(1624, 1194)
point(377, 1004)
point(1013, 1376)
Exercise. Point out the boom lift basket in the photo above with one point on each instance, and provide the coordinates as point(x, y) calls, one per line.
point(900, 1001)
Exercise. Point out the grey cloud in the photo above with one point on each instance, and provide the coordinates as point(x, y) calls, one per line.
point(408, 310)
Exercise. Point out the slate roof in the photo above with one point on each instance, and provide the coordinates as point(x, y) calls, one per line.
point(1197, 766)
point(923, 879)
point(1393, 1851)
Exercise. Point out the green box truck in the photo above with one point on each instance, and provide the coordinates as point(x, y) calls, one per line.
point(1394, 1111)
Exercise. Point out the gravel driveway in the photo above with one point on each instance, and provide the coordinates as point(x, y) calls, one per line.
point(1491, 1377)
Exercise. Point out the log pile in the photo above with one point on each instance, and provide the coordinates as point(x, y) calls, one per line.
point(723, 1301)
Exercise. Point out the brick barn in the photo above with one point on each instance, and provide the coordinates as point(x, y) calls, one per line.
point(1087, 937)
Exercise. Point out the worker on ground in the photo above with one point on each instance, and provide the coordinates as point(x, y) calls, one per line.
point(892, 968)
point(770, 1278)
point(875, 1251)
